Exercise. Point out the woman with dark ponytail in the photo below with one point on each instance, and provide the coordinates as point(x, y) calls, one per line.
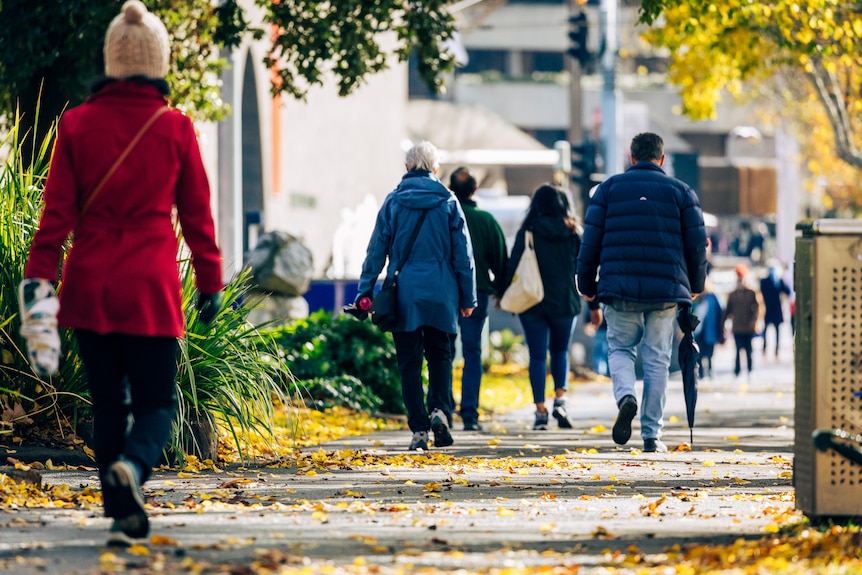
point(548, 325)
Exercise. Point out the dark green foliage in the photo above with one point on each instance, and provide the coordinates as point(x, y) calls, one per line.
point(343, 38)
point(323, 347)
point(345, 390)
point(53, 50)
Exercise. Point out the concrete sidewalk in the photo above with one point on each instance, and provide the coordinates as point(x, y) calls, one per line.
point(504, 496)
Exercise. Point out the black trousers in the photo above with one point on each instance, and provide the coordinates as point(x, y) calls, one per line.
point(132, 382)
point(410, 348)
point(743, 346)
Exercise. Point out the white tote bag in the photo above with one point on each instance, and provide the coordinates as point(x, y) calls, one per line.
point(526, 289)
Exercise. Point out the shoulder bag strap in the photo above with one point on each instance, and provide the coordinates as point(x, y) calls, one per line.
point(120, 159)
point(412, 240)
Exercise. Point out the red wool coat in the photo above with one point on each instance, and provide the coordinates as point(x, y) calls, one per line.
point(122, 275)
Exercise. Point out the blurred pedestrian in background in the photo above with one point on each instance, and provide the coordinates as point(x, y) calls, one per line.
point(490, 255)
point(643, 255)
point(436, 284)
point(548, 325)
point(710, 330)
point(772, 288)
point(742, 309)
point(123, 164)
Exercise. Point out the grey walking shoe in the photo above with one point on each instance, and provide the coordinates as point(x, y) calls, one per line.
point(440, 427)
point(623, 425)
point(419, 441)
point(122, 487)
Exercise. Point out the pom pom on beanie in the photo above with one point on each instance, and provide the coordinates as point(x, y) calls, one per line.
point(136, 44)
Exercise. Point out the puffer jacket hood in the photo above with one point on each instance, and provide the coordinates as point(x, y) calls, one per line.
point(436, 275)
point(421, 190)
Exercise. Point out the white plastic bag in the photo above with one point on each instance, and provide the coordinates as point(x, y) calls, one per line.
point(38, 305)
point(526, 289)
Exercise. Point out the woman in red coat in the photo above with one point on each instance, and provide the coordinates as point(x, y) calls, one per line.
point(120, 287)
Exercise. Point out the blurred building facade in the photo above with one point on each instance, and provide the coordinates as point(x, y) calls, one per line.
point(318, 168)
point(518, 68)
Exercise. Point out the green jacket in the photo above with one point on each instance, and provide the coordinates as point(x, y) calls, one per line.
point(489, 248)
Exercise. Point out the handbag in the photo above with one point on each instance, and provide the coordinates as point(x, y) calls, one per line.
point(384, 305)
point(526, 289)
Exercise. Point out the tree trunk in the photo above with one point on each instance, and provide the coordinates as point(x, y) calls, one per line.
point(202, 441)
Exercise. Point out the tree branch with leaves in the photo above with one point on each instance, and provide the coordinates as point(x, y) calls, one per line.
point(722, 46)
point(53, 50)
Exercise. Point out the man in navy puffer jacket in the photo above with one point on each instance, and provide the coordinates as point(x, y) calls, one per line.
point(645, 241)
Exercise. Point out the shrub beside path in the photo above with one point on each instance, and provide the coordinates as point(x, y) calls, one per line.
point(507, 499)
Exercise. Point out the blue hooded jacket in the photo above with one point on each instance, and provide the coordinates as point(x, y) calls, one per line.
point(438, 278)
point(644, 238)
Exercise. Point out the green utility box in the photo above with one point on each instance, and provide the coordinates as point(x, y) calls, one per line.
point(828, 340)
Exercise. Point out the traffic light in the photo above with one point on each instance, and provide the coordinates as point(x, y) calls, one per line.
point(578, 35)
point(583, 167)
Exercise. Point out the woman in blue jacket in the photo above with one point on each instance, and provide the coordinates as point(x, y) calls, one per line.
point(437, 281)
point(548, 325)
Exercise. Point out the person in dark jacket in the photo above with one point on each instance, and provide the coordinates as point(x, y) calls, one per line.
point(772, 287)
point(490, 255)
point(436, 284)
point(548, 325)
point(710, 330)
point(120, 289)
point(643, 254)
point(743, 309)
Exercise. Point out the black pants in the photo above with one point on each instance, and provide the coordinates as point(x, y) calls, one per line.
point(132, 381)
point(410, 348)
point(777, 327)
point(743, 345)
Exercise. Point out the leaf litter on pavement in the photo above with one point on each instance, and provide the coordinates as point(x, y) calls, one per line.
point(788, 545)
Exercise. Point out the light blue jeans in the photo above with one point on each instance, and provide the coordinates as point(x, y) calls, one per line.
point(630, 324)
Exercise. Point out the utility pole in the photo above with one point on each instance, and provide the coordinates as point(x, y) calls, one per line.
point(577, 50)
point(610, 97)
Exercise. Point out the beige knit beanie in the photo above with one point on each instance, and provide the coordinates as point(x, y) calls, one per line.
point(136, 44)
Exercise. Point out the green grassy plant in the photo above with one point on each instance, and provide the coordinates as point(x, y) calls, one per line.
point(231, 374)
point(60, 397)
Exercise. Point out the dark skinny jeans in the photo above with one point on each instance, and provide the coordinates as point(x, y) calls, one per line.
point(132, 381)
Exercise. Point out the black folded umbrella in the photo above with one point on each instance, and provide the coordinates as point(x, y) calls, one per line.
point(689, 358)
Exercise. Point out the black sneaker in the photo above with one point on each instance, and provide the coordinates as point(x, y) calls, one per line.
point(117, 538)
point(561, 415)
point(541, 422)
point(652, 445)
point(623, 425)
point(440, 427)
point(122, 487)
point(472, 425)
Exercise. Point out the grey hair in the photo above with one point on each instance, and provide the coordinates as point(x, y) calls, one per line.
point(423, 156)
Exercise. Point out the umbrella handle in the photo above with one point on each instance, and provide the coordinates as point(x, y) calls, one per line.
point(825, 439)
